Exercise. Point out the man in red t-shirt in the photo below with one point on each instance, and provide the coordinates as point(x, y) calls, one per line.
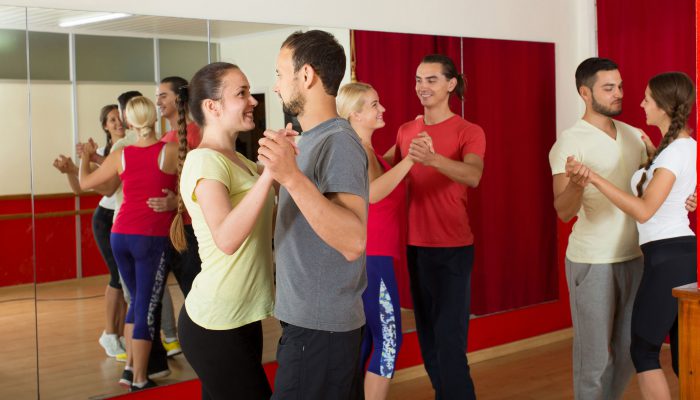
point(449, 153)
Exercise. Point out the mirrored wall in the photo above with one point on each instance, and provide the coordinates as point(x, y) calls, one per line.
point(61, 67)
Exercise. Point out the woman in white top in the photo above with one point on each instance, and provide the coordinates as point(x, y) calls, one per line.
point(668, 243)
point(115, 306)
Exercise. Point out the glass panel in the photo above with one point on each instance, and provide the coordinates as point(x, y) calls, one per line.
point(49, 56)
point(181, 57)
point(120, 59)
point(17, 289)
point(13, 48)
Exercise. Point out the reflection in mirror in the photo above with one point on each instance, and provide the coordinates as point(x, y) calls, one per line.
point(17, 290)
point(77, 71)
point(515, 264)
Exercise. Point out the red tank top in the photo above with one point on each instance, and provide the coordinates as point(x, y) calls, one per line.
point(384, 221)
point(142, 178)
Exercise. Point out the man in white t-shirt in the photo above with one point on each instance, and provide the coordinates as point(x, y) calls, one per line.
point(603, 261)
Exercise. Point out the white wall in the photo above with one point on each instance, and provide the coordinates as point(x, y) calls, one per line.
point(570, 24)
point(52, 129)
point(256, 55)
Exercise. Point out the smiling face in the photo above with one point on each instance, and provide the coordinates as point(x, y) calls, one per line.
point(237, 103)
point(288, 84)
point(371, 115)
point(606, 94)
point(166, 100)
point(432, 87)
point(113, 125)
point(655, 115)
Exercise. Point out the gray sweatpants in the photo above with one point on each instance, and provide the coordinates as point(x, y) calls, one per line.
point(601, 297)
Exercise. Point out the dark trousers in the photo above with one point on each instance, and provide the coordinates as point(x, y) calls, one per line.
point(668, 263)
point(441, 290)
point(228, 362)
point(317, 365)
point(102, 230)
point(185, 265)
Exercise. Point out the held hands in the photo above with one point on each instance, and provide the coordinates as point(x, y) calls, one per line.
point(163, 204)
point(421, 149)
point(691, 203)
point(277, 153)
point(65, 165)
point(87, 150)
point(578, 173)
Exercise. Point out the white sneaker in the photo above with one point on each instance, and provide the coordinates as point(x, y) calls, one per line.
point(111, 344)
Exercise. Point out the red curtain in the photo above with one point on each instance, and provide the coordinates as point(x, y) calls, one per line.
point(511, 95)
point(647, 37)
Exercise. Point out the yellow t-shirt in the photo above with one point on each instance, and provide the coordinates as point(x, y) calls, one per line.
point(231, 290)
point(602, 234)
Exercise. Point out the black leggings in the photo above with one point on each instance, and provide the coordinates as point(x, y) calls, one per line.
point(228, 362)
point(668, 263)
point(101, 231)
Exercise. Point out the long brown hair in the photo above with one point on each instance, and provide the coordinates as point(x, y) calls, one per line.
point(674, 93)
point(205, 84)
point(104, 113)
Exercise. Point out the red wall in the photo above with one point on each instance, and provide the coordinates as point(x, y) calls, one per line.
point(55, 240)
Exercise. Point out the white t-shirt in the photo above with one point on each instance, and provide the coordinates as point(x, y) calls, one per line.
point(602, 234)
point(671, 219)
point(108, 202)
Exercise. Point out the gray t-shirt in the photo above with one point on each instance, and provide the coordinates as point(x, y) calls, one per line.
point(317, 288)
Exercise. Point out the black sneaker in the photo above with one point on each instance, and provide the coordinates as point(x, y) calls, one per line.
point(127, 378)
point(149, 384)
point(158, 368)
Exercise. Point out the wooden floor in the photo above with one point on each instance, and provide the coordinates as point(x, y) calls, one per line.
point(72, 365)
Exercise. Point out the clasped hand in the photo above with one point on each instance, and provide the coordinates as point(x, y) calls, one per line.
point(277, 154)
point(421, 149)
point(578, 173)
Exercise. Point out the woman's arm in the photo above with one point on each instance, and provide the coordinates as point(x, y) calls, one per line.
point(639, 208)
point(230, 226)
point(105, 179)
point(383, 185)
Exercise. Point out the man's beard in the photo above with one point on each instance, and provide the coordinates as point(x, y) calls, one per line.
point(607, 111)
point(295, 105)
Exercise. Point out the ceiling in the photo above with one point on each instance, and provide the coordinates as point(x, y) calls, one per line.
point(47, 20)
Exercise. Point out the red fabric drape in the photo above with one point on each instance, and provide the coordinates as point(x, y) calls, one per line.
point(511, 95)
point(647, 37)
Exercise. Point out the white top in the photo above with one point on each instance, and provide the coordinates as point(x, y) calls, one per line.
point(671, 219)
point(602, 234)
point(108, 202)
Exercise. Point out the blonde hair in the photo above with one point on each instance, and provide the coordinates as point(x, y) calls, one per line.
point(141, 114)
point(350, 98)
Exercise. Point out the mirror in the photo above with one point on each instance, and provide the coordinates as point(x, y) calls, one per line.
point(17, 221)
point(81, 68)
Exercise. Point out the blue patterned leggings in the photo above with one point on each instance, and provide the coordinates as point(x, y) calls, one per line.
point(383, 313)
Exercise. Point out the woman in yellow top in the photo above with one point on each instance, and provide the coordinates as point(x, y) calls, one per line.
point(231, 203)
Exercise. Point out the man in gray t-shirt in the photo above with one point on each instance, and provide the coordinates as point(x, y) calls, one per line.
point(317, 288)
point(321, 227)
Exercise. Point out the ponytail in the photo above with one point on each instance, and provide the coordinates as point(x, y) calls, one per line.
point(177, 228)
point(674, 93)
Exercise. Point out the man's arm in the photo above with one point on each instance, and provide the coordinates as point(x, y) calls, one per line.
point(467, 172)
point(339, 219)
point(568, 192)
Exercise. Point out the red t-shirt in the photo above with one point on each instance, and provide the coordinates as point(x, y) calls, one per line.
point(437, 210)
point(384, 221)
point(194, 137)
